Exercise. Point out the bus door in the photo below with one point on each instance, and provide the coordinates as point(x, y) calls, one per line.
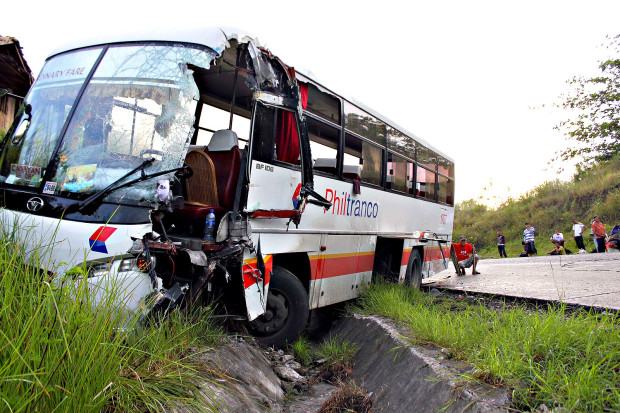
point(281, 179)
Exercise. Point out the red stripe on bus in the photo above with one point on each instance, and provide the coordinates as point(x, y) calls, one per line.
point(430, 254)
point(249, 267)
point(340, 264)
point(272, 214)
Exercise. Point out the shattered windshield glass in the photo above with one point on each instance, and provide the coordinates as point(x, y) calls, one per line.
point(51, 98)
point(140, 104)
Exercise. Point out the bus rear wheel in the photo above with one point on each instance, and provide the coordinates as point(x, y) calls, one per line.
point(414, 270)
point(287, 310)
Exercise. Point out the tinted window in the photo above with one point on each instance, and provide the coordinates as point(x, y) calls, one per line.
point(323, 104)
point(323, 146)
point(396, 173)
point(362, 158)
point(445, 167)
point(362, 123)
point(427, 157)
point(401, 143)
point(425, 183)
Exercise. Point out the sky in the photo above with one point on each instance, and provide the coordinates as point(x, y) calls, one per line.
point(475, 79)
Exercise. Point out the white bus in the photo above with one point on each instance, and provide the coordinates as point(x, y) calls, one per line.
point(124, 145)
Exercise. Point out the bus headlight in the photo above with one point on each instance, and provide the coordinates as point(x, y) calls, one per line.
point(128, 264)
point(144, 263)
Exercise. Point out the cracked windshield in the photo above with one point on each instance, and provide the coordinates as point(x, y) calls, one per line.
point(138, 105)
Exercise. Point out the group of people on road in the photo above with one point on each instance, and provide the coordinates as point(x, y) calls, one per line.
point(598, 231)
point(466, 253)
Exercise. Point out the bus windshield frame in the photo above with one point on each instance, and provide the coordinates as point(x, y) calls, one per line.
point(97, 113)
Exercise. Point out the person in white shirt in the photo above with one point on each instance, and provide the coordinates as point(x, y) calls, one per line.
point(558, 237)
point(578, 231)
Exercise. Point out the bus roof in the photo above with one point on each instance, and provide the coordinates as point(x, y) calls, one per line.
point(215, 38)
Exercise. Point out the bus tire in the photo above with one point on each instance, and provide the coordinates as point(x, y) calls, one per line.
point(287, 310)
point(414, 270)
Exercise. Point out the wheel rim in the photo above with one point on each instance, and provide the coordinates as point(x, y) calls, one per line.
point(275, 315)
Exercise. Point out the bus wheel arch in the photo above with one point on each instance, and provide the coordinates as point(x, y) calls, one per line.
point(413, 276)
point(287, 310)
point(296, 263)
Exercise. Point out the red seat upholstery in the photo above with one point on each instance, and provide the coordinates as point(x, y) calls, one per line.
point(224, 152)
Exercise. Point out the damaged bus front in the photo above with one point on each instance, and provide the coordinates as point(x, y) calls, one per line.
point(122, 149)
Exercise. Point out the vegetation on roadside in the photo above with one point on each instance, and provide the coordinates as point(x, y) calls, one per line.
point(61, 352)
point(347, 398)
point(556, 358)
point(547, 207)
point(336, 355)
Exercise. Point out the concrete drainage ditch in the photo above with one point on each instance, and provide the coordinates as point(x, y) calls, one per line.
point(401, 377)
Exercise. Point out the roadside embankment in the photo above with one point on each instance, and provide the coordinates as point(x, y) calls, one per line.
point(404, 377)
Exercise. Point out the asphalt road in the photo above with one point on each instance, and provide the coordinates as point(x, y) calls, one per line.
point(588, 279)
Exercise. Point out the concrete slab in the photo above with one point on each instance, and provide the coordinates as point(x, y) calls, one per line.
point(589, 279)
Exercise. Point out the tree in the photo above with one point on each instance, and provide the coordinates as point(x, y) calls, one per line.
point(596, 101)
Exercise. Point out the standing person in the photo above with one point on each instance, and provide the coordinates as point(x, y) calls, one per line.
point(578, 234)
point(466, 256)
point(600, 232)
point(558, 237)
point(501, 245)
point(528, 238)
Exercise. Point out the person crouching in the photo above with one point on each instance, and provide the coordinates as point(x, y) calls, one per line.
point(466, 256)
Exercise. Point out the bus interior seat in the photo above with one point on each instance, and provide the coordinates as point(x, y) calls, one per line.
point(327, 165)
point(200, 187)
point(201, 196)
point(223, 149)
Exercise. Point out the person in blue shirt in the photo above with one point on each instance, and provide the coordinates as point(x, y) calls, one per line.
point(528, 238)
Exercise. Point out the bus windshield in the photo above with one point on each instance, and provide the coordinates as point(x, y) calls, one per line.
point(139, 104)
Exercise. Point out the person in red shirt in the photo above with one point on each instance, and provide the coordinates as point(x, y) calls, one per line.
point(598, 228)
point(466, 255)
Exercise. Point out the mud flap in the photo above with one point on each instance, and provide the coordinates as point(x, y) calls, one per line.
point(256, 277)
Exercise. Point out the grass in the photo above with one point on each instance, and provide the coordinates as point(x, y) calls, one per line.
point(61, 352)
point(302, 350)
point(337, 356)
point(553, 358)
point(347, 398)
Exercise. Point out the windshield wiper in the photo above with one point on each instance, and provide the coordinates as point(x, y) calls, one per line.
point(88, 202)
point(82, 206)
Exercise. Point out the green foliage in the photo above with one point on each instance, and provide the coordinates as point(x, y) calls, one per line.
point(302, 350)
point(594, 104)
point(60, 351)
point(547, 207)
point(556, 358)
point(337, 351)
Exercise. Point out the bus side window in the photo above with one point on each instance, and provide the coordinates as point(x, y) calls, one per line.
point(363, 158)
point(213, 119)
point(426, 182)
point(323, 146)
point(396, 173)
